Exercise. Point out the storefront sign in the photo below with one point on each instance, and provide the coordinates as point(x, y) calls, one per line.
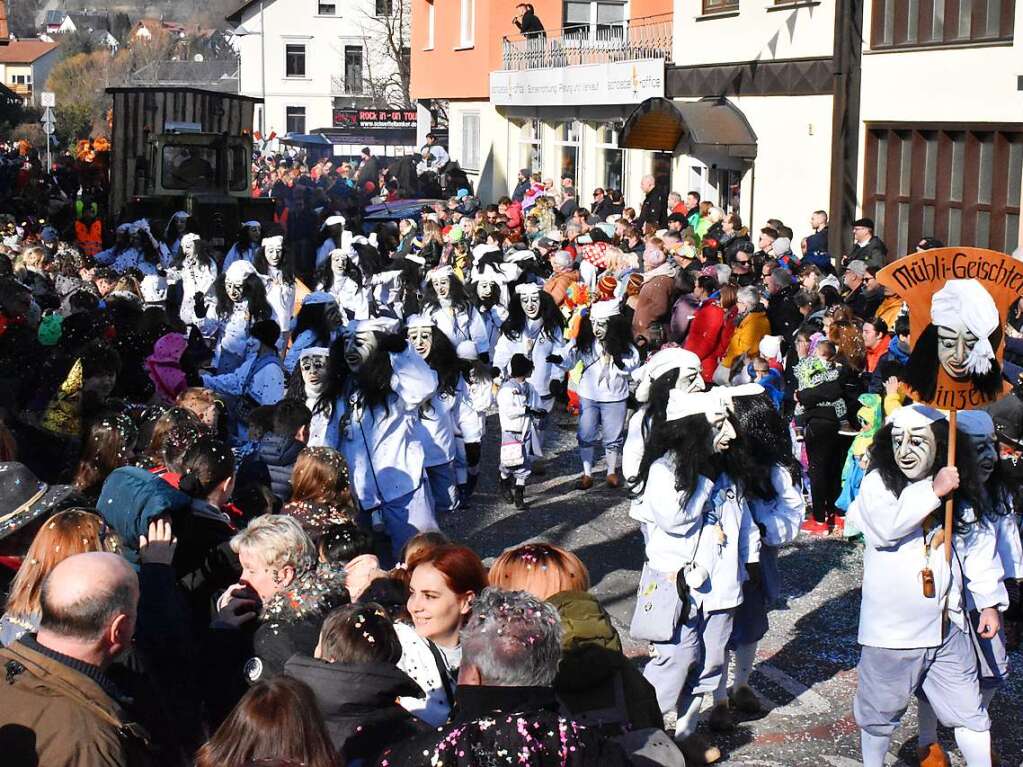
point(375, 119)
point(626, 82)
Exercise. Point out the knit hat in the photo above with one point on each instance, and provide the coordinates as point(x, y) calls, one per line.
point(606, 286)
point(965, 305)
point(976, 423)
point(634, 284)
point(50, 329)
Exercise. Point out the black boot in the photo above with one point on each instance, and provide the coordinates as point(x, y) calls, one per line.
point(506, 489)
point(520, 501)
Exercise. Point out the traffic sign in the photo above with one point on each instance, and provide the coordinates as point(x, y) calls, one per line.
point(49, 128)
point(48, 99)
point(48, 117)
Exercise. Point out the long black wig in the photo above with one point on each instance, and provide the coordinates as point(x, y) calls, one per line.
point(515, 325)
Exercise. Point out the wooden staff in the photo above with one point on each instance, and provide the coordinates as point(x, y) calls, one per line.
point(950, 503)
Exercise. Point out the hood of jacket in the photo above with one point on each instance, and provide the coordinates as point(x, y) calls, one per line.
point(131, 498)
point(352, 689)
point(276, 450)
point(591, 648)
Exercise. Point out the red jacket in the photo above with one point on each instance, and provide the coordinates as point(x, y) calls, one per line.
point(707, 337)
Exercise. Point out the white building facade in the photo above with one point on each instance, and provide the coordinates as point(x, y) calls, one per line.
point(315, 57)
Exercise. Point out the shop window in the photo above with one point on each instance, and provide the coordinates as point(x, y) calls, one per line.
point(471, 141)
point(921, 23)
point(610, 159)
point(960, 186)
point(568, 143)
point(530, 148)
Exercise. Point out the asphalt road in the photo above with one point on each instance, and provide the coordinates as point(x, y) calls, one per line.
point(806, 665)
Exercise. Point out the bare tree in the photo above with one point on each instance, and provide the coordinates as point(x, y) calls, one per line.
point(387, 42)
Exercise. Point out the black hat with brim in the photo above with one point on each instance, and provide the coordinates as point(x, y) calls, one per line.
point(24, 498)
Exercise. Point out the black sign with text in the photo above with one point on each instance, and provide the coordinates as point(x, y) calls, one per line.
point(375, 119)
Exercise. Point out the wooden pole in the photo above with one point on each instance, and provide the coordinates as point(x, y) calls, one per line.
point(950, 503)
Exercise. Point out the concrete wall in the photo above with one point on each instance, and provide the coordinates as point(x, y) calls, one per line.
point(758, 31)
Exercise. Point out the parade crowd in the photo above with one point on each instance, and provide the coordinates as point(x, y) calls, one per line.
point(225, 475)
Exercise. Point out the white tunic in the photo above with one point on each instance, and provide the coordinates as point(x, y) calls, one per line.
point(324, 428)
point(385, 460)
point(195, 278)
point(281, 297)
point(711, 527)
point(493, 319)
point(445, 418)
point(894, 613)
point(350, 297)
point(602, 379)
point(461, 326)
point(536, 344)
point(780, 518)
point(234, 331)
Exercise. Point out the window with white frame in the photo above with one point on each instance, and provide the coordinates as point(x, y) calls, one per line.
point(585, 17)
point(431, 22)
point(530, 148)
point(294, 118)
point(568, 143)
point(353, 69)
point(294, 60)
point(471, 140)
point(610, 159)
point(467, 28)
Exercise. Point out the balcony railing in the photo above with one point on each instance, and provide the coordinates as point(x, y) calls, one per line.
point(644, 38)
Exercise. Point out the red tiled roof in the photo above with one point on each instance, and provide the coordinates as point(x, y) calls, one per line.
point(25, 51)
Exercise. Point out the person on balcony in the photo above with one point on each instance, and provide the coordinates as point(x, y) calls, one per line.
point(528, 22)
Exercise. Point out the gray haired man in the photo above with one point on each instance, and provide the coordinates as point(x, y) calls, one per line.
point(505, 705)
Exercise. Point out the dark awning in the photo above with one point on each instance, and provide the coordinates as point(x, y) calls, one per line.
point(712, 128)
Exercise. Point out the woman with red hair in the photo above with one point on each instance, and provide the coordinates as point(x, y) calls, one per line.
point(443, 582)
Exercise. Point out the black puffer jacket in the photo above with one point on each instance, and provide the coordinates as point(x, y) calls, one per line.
point(359, 704)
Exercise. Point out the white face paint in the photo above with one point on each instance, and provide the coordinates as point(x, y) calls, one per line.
point(954, 347)
point(722, 427)
point(987, 456)
point(600, 329)
point(235, 290)
point(486, 288)
point(531, 305)
point(421, 340)
point(359, 347)
point(915, 449)
point(314, 374)
point(339, 263)
point(274, 254)
point(443, 287)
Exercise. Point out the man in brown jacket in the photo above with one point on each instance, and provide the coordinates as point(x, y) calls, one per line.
point(655, 299)
point(57, 705)
point(565, 274)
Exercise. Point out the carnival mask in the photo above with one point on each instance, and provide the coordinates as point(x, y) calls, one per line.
point(722, 428)
point(314, 374)
point(600, 329)
point(915, 449)
point(442, 285)
point(190, 246)
point(987, 456)
point(338, 263)
point(486, 288)
point(531, 305)
point(359, 347)
point(954, 347)
point(255, 234)
point(421, 340)
point(235, 290)
point(274, 253)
